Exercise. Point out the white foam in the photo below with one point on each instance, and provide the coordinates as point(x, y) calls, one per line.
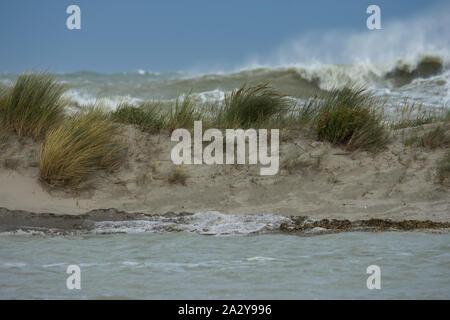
point(93, 264)
point(14, 264)
point(334, 57)
point(111, 103)
point(5, 82)
point(51, 265)
point(207, 223)
point(215, 95)
point(257, 258)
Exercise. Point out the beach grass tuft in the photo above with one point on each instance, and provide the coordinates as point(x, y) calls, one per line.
point(306, 112)
point(183, 113)
point(349, 117)
point(34, 104)
point(146, 116)
point(78, 147)
point(251, 106)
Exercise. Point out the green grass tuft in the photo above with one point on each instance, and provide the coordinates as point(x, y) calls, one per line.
point(34, 104)
point(78, 147)
point(183, 113)
point(147, 116)
point(349, 117)
point(252, 106)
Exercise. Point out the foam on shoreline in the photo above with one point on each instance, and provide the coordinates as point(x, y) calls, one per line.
point(112, 221)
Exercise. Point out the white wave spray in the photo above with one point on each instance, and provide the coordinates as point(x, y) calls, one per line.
point(366, 54)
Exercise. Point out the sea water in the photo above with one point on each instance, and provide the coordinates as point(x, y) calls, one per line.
point(423, 79)
point(229, 261)
point(188, 265)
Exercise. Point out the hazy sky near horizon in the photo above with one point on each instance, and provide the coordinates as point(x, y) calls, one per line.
point(163, 36)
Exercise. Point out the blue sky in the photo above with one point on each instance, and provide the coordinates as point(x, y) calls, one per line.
point(161, 36)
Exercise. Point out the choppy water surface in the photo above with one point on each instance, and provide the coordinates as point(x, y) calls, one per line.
point(190, 266)
point(424, 79)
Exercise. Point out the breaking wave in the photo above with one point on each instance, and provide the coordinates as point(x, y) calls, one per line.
point(425, 79)
point(407, 58)
point(428, 75)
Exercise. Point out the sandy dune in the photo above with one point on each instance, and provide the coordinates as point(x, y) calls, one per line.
point(315, 179)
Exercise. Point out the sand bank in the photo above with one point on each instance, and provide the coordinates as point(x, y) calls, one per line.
point(316, 180)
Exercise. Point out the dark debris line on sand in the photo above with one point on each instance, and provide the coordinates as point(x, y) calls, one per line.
point(13, 220)
point(303, 224)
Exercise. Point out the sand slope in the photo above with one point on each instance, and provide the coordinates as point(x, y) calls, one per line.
point(322, 181)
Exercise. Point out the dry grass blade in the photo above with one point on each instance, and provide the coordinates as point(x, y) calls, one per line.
point(414, 115)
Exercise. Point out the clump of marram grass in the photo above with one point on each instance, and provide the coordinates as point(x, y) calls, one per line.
point(349, 117)
point(78, 147)
point(306, 112)
point(443, 170)
point(183, 113)
point(252, 106)
point(178, 175)
point(146, 116)
point(34, 104)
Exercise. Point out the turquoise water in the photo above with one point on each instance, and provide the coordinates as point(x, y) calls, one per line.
point(190, 266)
